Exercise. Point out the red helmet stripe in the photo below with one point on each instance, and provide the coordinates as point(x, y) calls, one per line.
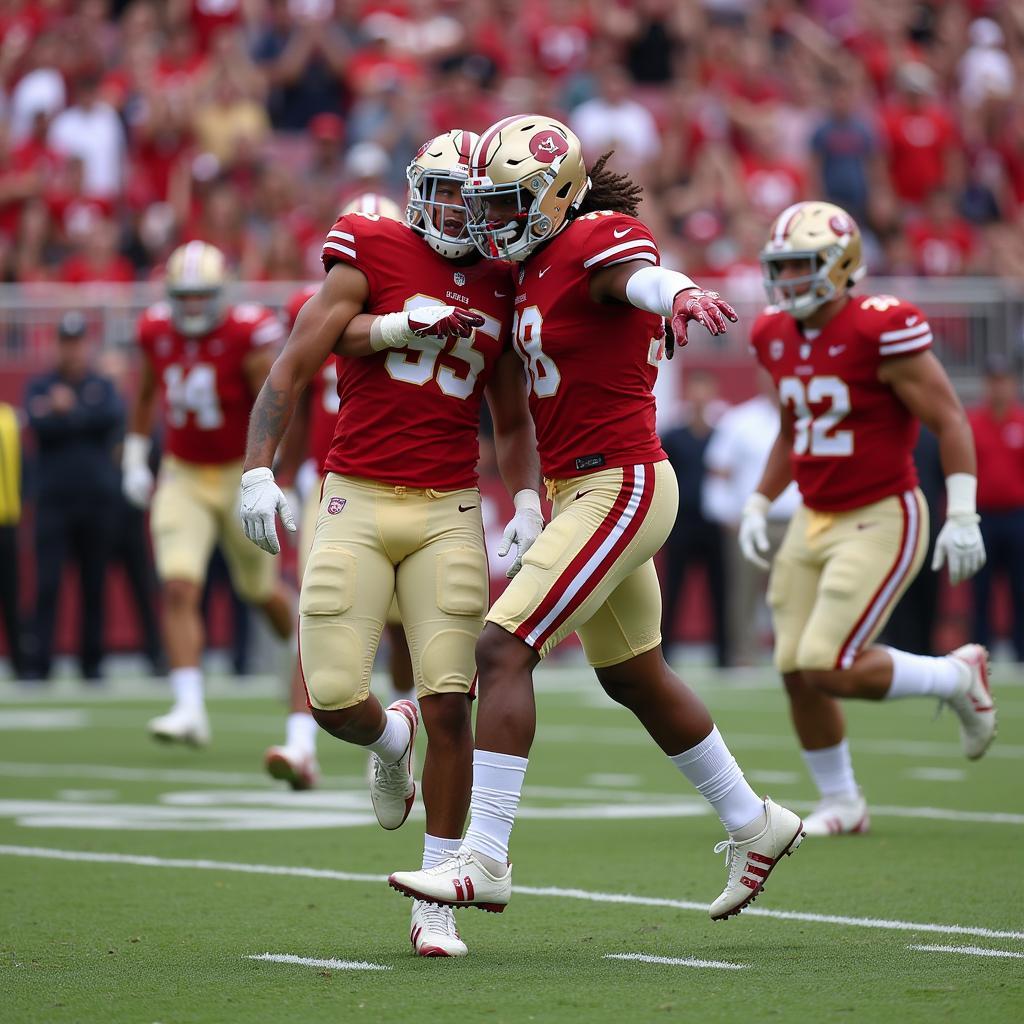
point(784, 221)
point(478, 168)
point(464, 147)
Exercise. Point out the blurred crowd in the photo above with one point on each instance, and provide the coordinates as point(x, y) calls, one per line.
point(128, 127)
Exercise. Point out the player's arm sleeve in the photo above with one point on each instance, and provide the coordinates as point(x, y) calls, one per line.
point(353, 241)
point(903, 330)
point(617, 238)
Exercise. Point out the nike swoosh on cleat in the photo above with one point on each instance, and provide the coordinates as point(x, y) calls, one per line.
point(466, 508)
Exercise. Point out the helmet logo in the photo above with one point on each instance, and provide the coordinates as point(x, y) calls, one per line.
point(459, 278)
point(422, 149)
point(840, 224)
point(548, 145)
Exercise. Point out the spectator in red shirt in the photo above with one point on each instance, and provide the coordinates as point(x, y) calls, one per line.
point(942, 241)
point(98, 258)
point(922, 140)
point(998, 426)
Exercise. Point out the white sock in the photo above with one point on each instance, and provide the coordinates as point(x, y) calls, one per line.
point(391, 743)
point(437, 849)
point(832, 770)
point(497, 785)
point(300, 732)
point(187, 686)
point(916, 675)
point(717, 777)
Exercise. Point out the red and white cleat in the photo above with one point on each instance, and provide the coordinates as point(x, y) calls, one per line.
point(392, 787)
point(460, 881)
point(974, 706)
point(296, 767)
point(433, 931)
point(752, 860)
point(838, 816)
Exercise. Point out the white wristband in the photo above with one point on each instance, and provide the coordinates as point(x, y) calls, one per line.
point(136, 450)
point(655, 288)
point(757, 504)
point(961, 495)
point(527, 500)
point(391, 330)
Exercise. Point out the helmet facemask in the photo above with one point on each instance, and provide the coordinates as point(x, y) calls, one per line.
point(195, 312)
point(440, 218)
point(804, 294)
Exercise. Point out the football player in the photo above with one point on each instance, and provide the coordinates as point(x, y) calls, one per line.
point(312, 428)
point(205, 361)
point(590, 302)
point(855, 376)
point(400, 509)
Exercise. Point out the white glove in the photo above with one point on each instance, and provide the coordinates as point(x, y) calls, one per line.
point(523, 529)
point(959, 541)
point(754, 530)
point(396, 330)
point(136, 476)
point(259, 502)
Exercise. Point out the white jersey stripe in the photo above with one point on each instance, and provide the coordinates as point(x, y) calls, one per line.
point(639, 243)
point(905, 332)
point(342, 236)
point(341, 248)
point(650, 257)
point(906, 346)
point(639, 483)
point(881, 602)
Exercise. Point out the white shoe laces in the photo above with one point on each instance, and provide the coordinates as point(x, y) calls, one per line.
point(729, 846)
point(455, 863)
point(390, 779)
point(438, 919)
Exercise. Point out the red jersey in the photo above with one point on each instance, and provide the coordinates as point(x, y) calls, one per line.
point(411, 416)
point(591, 366)
point(324, 402)
point(206, 395)
point(1000, 448)
point(853, 438)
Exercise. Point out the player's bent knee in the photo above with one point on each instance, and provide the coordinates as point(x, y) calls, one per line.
point(498, 650)
point(179, 594)
point(446, 716)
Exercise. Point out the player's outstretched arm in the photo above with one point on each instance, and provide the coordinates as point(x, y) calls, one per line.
point(319, 324)
point(515, 446)
point(136, 476)
point(665, 292)
point(369, 333)
point(753, 532)
point(921, 384)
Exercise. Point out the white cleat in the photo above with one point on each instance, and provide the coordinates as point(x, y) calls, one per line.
point(392, 788)
point(296, 767)
point(752, 860)
point(433, 931)
point(460, 881)
point(182, 725)
point(974, 706)
point(838, 816)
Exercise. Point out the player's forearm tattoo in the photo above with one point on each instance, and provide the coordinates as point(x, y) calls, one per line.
point(269, 417)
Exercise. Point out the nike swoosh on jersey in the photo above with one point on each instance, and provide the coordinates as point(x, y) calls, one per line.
point(911, 320)
point(466, 508)
point(834, 350)
point(541, 273)
point(622, 233)
point(500, 295)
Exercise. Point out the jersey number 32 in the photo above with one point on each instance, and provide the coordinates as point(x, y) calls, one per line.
point(817, 434)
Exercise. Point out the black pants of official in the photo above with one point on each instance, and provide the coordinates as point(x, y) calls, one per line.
point(9, 595)
point(697, 542)
point(1003, 533)
point(75, 530)
point(912, 624)
point(130, 550)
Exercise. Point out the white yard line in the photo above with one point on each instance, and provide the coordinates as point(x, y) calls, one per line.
point(1007, 954)
point(308, 961)
point(674, 961)
point(47, 853)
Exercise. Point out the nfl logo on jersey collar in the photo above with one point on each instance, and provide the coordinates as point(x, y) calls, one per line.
point(459, 278)
point(776, 349)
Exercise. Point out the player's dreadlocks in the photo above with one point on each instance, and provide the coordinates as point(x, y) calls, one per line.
point(610, 191)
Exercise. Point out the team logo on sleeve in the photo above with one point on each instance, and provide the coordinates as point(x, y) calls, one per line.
point(548, 145)
point(335, 505)
point(776, 347)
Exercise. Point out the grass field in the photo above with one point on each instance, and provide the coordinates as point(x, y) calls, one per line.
point(137, 882)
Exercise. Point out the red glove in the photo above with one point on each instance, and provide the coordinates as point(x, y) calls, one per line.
point(705, 308)
point(454, 323)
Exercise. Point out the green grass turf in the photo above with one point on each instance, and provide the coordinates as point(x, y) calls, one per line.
point(113, 942)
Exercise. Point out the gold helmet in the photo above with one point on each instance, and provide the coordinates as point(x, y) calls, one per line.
point(441, 219)
point(527, 175)
point(824, 236)
point(195, 279)
point(372, 204)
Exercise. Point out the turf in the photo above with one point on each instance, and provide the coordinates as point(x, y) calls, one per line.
point(604, 813)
